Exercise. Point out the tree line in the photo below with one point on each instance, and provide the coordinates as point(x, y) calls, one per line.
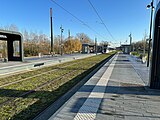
point(35, 43)
point(141, 47)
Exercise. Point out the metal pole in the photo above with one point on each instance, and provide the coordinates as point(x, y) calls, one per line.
point(61, 39)
point(51, 32)
point(96, 46)
point(130, 41)
point(150, 33)
point(59, 44)
point(69, 41)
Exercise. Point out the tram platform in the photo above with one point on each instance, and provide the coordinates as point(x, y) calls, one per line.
point(14, 67)
point(118, 91)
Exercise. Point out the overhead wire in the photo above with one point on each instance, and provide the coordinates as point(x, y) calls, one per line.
point(101, 20)
point(82, 22)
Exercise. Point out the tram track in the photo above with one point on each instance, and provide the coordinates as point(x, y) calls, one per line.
point(17, 94)
point(37, 88)
point(43, 86)
point(37, 75)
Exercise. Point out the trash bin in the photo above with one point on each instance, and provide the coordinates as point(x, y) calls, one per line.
point(5, 60)
point(143, 59)
point(39, 55)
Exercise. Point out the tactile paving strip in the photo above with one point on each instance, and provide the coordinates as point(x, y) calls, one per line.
point(90, 107)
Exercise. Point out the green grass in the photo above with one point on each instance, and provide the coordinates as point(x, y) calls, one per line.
point(135, 54)
point(51, 86)
point(138, 54)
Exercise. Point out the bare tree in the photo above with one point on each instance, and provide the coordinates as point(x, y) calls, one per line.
point(144, 42)
point(83, 37)
point(57, 44)
point(11, 27)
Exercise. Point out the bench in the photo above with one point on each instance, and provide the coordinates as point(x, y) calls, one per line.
point(38, 64)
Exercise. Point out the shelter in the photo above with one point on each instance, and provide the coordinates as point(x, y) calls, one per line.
point(126, 49)
point(85, 48)
point(105, 48)
point(11, 37)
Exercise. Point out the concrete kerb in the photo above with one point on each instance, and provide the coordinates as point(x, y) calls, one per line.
point(16, 69)
point(53, 108)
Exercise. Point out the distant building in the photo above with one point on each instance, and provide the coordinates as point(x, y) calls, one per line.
point(85, 48)
point(99, 49)
point(91, 48)
point(105, 48)
point(126, 49)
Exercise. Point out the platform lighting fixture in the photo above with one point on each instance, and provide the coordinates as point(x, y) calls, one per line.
point(150, 32)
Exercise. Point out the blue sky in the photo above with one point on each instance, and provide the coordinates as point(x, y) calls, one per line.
point(120, 16)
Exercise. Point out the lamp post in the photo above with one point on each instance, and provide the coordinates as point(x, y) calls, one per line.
point(61, 38)
point(150, 32)
point(51, 32)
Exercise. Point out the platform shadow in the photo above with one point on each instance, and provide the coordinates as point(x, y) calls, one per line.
point(133, 89)
point(112, 93)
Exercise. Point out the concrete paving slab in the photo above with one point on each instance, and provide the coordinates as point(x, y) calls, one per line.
point(129, 83)
point(90, 103)
point(122, 95)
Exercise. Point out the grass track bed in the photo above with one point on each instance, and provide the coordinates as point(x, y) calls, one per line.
point(25, 99)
